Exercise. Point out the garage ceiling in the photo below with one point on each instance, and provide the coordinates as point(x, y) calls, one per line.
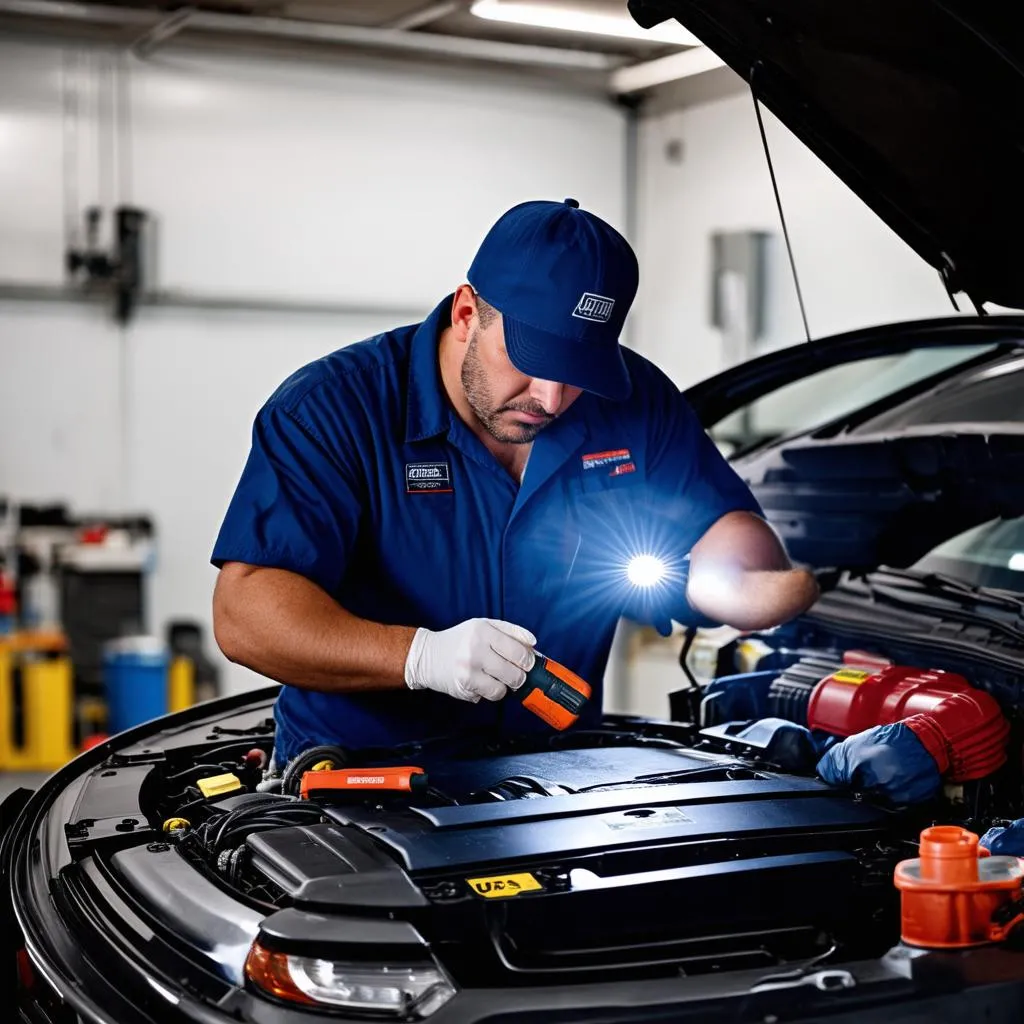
point(369, 24)
point(593, 43)
point(456, 19)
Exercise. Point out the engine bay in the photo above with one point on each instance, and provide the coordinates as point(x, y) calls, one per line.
point(692, 845)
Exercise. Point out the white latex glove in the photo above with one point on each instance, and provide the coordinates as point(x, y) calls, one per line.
point(477, 658)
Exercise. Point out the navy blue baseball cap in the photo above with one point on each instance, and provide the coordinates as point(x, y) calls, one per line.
point(563, 281)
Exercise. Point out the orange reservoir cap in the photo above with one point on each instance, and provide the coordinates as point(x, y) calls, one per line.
point(955, 895)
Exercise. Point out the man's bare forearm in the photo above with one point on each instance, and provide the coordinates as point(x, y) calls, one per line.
point(285, 627)
point(740, 574)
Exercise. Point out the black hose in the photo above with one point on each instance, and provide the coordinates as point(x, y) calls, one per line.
point(235, 745)
point(246, 828)
point(258, 803)
point(220, 768)
point(241, 818)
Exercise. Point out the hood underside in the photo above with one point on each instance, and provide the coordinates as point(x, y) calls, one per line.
point(860, 502)
point(915, 106)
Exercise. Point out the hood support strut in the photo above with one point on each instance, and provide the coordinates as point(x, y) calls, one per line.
point(778, 200)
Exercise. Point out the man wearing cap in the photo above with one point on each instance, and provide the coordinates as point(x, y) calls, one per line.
point(422, 509)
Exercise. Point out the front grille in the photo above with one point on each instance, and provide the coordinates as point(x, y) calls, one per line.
point(690, 956)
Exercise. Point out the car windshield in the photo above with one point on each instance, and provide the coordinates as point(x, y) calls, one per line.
point(831, 393)
point(994, 394)
point(989, 555)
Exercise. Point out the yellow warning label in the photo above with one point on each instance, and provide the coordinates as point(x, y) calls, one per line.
point(499, 886)
point(855, 676)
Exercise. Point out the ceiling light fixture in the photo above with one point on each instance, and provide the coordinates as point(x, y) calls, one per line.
point(564, 17)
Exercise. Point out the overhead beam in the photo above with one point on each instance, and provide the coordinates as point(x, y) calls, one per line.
point(638, 77)
point(425, 15)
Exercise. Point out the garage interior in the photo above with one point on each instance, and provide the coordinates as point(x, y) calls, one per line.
point(197, 199)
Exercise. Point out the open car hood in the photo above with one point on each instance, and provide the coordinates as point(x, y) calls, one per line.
point(886, 499)
point(845, 496)
point(903, 102)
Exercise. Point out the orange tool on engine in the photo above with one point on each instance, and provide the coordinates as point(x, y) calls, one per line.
point(954, 895)
point(340, 781)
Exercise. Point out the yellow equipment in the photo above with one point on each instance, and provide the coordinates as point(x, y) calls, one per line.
point(38, 707)
point(39, 662)
point(181, 684)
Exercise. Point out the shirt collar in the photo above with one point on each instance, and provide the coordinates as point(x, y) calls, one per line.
point(427, 410)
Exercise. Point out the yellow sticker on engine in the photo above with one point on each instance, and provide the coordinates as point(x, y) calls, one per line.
point(855, 676)
point(501, 886)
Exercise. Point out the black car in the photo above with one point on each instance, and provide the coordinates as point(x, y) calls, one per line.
point(648, 870)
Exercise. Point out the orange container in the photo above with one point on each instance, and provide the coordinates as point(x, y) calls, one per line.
point(954, 895)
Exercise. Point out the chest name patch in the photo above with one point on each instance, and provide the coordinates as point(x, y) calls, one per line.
point(616, 459)
point(428, 478)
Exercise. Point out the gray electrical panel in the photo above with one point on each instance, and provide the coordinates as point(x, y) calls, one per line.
point(738, 289)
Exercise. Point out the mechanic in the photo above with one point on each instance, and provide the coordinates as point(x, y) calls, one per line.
point(421, 509)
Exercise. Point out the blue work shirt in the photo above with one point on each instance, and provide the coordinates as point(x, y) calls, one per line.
point(363, 478)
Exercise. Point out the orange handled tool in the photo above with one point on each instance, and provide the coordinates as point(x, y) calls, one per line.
point(553, 693)
point(353, 781)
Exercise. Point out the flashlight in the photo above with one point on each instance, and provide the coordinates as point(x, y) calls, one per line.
point(645, 570)
point(554, 693)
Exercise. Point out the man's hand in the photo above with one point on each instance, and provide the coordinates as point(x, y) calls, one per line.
point(477, 658)
point(741, 575)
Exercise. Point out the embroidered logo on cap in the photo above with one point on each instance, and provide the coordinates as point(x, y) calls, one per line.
point(428, 478)
point(594, 307)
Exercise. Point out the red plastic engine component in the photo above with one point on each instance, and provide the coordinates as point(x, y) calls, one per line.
point(960, 726)
point(954, 895)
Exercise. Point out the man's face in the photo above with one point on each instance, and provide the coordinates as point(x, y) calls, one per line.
point(512, 407)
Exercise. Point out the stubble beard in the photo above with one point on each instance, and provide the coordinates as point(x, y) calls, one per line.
point(478, 393)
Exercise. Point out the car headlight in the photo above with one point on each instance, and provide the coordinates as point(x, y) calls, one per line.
point(400, 990)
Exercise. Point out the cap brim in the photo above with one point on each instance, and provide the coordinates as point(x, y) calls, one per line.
point(596, 368)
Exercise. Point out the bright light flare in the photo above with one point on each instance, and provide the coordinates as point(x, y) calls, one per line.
point(568, 17)
point(645, 570)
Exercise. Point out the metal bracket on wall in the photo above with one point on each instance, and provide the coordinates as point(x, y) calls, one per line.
point(161, 32)
point(119, 271)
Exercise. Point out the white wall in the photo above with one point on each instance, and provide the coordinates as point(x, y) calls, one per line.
point(854, 271)
point(356, 182)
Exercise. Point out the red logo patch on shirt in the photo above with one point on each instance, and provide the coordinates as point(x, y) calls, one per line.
point(622, 468)
point(613, 457)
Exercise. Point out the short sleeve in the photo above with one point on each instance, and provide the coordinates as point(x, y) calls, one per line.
point(690, 486)
point(297, 505)
point(692, 482)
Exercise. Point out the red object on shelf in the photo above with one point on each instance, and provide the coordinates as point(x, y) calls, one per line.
point(93, 534)
point(960, 726)
point(8, 600)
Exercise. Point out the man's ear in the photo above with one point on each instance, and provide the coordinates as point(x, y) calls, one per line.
point(463, 312)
